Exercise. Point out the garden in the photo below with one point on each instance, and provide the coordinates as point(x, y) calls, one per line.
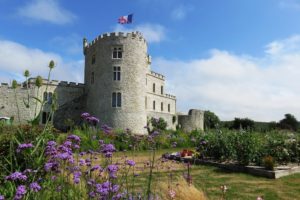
point(94, 161)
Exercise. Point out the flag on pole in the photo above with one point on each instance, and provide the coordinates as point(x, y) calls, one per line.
point(125, 19)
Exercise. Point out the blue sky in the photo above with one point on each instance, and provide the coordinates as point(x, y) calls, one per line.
point(237, 58)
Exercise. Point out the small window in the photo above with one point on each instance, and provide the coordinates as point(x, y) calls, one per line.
point(116, 99)
point(169, 108)
point(45, 96)
point(153, 105)
point(50, 98)
point(117, 53)
point(117, 73)
point(162, 89)
point(153, 87)
point(92, 78)
point(162, 106)
point(146, 102)
point(93, 59)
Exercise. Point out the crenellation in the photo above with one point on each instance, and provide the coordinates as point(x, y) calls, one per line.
point(157, 75)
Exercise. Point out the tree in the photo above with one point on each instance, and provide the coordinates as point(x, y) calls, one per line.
point(244, 123)
point(289, 122)
point(211, 120)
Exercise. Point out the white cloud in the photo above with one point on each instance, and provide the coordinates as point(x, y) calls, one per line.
point(15, 58)
point(232, 85)
point(46, 10)
point(180, 12)
point(152, 32)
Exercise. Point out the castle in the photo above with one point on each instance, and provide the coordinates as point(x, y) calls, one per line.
point(119, 88)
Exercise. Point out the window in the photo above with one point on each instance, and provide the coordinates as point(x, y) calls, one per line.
point(45, 97)
point(93, 59)
point(153, 87)
point(117, 73)
point(169, 108)
point(146, 102)
point(153, 105)
point(92, 78)
point(162, 106)
point(116, 99)
point(117, 53)
point(162, 89)
point(50, 98)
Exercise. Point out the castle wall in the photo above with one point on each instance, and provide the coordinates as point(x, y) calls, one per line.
point(192, 121)
point(134, 66)
point(8, 103)
point(169, 118)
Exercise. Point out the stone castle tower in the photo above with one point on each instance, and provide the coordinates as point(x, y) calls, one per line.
point(115, 73)
point(119, 88)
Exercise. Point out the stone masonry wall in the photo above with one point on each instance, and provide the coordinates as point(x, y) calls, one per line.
point(192, 121)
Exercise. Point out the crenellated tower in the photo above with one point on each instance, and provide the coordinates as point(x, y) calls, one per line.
point(116, 66)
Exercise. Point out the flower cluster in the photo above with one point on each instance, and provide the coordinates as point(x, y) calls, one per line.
point(35, 187)
point(107, 149)
point(21, 191)
point(21, 147)
point(16, 176)
point(90, 119)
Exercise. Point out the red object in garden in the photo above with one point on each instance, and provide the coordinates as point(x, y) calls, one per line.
point(186, 152)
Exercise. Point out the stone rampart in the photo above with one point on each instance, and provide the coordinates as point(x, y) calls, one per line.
point(192, 121)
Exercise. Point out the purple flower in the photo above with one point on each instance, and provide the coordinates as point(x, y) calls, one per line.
point(24, 146)
point(1, 197)
point(96, 167)
point(16, 176)
point(81, 162)
point(82, 153)
point(130, 162)
point(21, 191)
point(106, 129)
point(35, 187)
point(108, 149)
point(93, 120)
point(112, 169)
point(174, 144)
point(103, 189)
point(154, 134)
point(76, 177)
point(85, 115)
point(74, 138)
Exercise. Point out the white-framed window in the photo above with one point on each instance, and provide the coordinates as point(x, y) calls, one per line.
point(117, 52)
point(116, 99)
point(117, 73)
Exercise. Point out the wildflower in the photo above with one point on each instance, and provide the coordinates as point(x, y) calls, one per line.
point(108, 149)
point(16, 176)
point(76, 177)
point(112, 169)
point(35, 187)
point(85, 115)
point(154, 133)
point(1, 197)
point(92, 194)
point(103, 189)
point(130, 162)
point(21, 191)
point(172, 194)
point(74, 138)
point(96, 167)
point(24, 146)
point(174, 144)
point(82, 153)
point(81, 162)
point(106, 129)
point(27, 171)
point(51, 64)
point(93, 120)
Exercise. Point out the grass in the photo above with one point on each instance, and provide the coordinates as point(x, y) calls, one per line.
point(209, 179)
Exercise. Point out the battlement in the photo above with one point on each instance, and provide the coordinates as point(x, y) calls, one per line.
point(133, 35)
point(31, 81)
point(155, 74)
point(170, 96)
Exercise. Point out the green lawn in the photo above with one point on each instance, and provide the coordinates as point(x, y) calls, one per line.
point(241, 186)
